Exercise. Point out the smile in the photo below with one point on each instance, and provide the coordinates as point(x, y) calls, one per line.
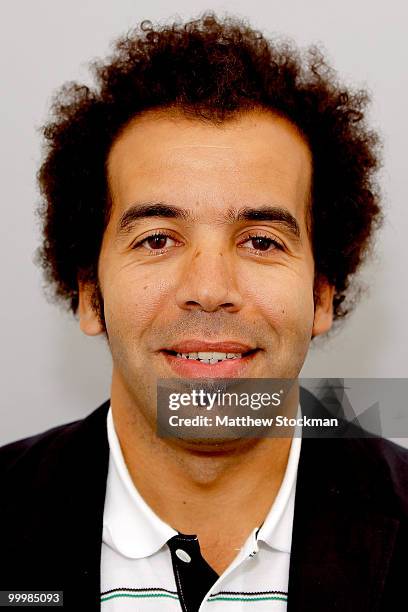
point(211, 363)
point(210, 357)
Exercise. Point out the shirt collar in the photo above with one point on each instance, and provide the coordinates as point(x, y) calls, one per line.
point(132, 528)
point(129, 525)
point(276, 530)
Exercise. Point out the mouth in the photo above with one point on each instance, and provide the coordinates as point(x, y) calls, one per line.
point(214, 360)
point(209, 357)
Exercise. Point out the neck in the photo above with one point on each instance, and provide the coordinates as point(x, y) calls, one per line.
point(198, 489)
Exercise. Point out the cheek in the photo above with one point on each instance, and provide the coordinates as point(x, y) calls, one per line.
point(134, 300)
point(283, 296)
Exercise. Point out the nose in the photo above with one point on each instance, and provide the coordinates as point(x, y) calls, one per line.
point(208, 283)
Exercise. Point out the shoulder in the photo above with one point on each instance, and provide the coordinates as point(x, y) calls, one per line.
point(53, 489)
point(369, 473)
point(366, 467)
point(20, 450)
point(27, 455)
point(386, 461)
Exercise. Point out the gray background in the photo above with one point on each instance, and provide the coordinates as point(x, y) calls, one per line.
point(51, 373)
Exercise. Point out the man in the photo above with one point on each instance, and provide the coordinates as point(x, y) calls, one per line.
point(205, 208)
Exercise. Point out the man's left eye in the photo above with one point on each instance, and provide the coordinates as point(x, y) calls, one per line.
point(262, 243)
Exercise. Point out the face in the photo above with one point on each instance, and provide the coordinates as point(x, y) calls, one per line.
point(206, 251)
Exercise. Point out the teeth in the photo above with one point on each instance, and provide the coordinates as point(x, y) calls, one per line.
point(209, 357)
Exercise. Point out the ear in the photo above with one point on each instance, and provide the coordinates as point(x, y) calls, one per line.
point(89, 321)
point(323, 317)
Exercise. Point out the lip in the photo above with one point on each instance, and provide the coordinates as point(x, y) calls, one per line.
point(229, 368)
point(195, 346)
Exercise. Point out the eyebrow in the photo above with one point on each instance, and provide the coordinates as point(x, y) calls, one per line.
point(264, 213)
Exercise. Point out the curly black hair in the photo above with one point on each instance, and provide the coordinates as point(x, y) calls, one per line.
point(209, 69)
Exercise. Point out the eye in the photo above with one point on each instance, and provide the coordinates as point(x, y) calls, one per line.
point(262, 243)
point(157, 242)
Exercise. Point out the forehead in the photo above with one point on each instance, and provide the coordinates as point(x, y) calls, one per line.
point(253, 158)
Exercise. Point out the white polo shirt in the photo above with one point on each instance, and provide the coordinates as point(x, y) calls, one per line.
point(147, 565)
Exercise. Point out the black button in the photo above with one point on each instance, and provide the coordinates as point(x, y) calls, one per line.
point(194, 576)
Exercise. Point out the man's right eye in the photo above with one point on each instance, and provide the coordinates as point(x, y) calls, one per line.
point(157, 242)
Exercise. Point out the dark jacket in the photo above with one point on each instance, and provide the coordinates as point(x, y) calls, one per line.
point(350, 536)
